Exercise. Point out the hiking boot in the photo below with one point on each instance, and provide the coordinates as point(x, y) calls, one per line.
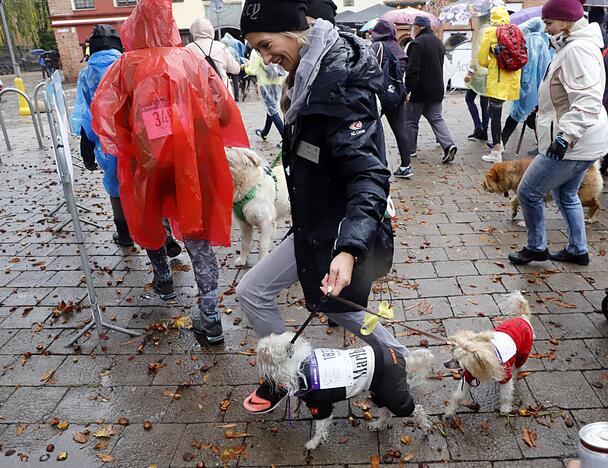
point(449, 153)
point(525, 256)
point(123, 241)
point(566, 257)
point(173, 248)
point(205, 328)
point(264, 399)
point(164, 288)
point(404, 172)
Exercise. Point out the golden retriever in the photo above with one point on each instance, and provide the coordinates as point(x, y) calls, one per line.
point(504, 177)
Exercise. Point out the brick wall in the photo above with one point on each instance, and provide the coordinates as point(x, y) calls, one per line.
point(67, 41)
point(71, 52)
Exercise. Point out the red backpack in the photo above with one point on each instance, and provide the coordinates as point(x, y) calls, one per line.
point(511, 52)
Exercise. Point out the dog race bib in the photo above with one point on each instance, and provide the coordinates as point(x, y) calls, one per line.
point(335, 368)
point(158, 122)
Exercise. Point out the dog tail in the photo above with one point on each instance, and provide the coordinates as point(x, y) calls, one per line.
point(515, 304)
point(419, 365)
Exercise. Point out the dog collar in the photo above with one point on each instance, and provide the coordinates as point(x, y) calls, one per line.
point(240, 205)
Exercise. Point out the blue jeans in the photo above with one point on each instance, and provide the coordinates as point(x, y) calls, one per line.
point(563, 179)
point(482, 123)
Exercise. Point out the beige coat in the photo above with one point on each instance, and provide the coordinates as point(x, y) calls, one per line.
point(202, 32)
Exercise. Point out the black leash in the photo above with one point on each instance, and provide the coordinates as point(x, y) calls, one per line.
point(355, 306)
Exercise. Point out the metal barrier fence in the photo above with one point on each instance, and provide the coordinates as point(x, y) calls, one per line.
point(32, 111)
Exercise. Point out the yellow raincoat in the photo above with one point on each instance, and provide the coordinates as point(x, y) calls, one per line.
point(501, 84)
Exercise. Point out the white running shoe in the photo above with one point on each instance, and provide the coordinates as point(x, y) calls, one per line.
point(494, 157)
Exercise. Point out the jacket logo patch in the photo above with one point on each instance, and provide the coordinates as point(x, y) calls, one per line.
point(357, 128)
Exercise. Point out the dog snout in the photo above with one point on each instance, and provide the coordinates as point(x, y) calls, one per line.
point(451, 364)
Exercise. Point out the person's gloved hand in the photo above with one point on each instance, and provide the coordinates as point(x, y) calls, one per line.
point(557, 149)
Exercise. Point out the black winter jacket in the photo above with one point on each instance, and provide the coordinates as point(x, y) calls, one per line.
point(424, 73)
point(338, 202)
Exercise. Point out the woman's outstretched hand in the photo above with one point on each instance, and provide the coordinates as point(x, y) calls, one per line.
point(340, 274)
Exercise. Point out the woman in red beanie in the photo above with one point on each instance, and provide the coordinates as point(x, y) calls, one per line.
point(572, 126)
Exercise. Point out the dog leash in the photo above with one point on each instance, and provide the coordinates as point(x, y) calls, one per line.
point(356, 306)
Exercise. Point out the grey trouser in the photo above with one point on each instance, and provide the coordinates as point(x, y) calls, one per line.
point(432, 113)
point(258, 289)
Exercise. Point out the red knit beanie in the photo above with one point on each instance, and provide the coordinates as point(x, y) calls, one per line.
point(565, 10)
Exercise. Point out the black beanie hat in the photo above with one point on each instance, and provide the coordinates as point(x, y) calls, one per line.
point(273, 16)
point(104, 37)
point(324, 9)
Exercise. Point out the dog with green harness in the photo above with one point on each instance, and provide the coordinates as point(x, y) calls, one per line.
point(260, 198)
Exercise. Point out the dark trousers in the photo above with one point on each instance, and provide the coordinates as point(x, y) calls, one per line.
point(396, 119)
point(508, 129)
point(496, 118)
point(273, 119)
point(482, 123)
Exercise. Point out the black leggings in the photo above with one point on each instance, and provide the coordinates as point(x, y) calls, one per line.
point(496, 118)
point(396, 119)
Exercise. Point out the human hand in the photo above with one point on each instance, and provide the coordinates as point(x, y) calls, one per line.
point(340, 274)
point(557, 149)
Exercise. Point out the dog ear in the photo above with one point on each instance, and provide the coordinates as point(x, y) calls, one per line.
point(493, 174)
point(254, 158)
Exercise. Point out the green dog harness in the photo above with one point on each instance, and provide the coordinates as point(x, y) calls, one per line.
point(238, 206)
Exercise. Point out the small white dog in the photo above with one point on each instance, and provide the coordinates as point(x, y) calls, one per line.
point(260, 198)
point(493, 355)
point(325, 376)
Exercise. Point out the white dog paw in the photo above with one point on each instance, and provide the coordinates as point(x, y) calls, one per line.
point(312, 444)
point(378, 426)
point(505, 409)
point(240, 262)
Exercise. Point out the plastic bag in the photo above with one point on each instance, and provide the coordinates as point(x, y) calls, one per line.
point(163, 112)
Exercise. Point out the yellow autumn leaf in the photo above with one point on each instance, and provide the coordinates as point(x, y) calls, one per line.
point(182, 321)
point(105, 431)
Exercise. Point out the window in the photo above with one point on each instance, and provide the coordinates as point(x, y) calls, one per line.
point(122, 3)
point(349, 3)
point(83, 4)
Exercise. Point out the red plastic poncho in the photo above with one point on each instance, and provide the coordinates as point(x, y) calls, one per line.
point(167, 116)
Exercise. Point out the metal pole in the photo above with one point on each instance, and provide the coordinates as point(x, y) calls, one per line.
point(37, 89)
point(32, 112)
point(7, 36)
point(521, 139)
point(219, 27)
point(6, 140)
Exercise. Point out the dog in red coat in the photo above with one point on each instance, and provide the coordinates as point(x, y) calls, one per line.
point(493, 355)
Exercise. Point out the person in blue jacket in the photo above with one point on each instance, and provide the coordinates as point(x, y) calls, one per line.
point(539, 56)
point(105, 48)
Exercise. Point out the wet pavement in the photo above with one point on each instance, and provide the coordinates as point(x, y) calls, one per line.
point(162, 400)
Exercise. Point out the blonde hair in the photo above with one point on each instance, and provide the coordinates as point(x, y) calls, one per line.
point(476, 354)
point(300, 36)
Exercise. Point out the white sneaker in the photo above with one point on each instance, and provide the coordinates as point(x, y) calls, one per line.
point(493, 157)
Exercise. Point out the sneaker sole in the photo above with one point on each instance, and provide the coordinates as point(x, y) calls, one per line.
point(166, 297)
point(450, 156)
point(404, 176)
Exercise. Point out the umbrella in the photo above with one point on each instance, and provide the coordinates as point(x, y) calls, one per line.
point(463, 10)
point(369, 25)
point(407, 16)
point(37, 52)
point(524, 15)
point(600, 3)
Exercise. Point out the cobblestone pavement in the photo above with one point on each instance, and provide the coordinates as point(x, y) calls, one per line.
point(161, 400)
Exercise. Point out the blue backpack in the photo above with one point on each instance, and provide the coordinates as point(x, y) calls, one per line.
point(393, 91)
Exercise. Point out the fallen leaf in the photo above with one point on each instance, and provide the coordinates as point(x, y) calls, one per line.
point(342, 440)
point(529, 437)
point(457, 423)
point(408, 456)
point(105, 431)
point(554, 341)
point(228, 454)
point(181, 321)
point(123, 421)
point(105, 457)
point(602, 252)
point(20, 428)
point(374, 461)
point(80, 437)
point(63, 425)
point(406, 440)
point(50, 448)
point(147, 425)
point(224, 405)
point(170, 394)
point(154, 367)
point(47, 376)
point(485, 425)
point(235, 434)
point(523, 374)
point(62, 456)
point(188, 456)
point(100, 446)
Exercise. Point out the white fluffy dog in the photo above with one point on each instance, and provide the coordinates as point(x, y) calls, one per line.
point(322, 377)
point(493, 355)
point(267, 199)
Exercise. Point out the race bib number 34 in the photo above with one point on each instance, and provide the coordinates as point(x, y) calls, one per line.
point(158, 122)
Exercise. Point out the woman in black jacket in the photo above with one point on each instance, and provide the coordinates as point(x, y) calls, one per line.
point(333, 153)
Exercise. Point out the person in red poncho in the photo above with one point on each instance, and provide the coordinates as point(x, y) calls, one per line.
point(165, 114)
